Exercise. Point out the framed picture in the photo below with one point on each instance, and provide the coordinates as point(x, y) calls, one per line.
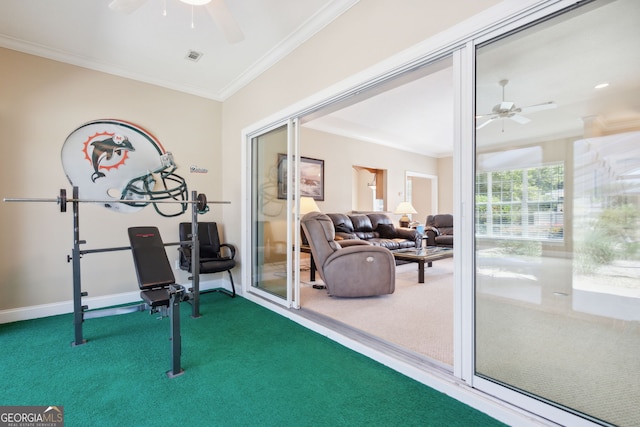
point(311, 177)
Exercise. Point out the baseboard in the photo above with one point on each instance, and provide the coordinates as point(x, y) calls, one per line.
point(65, 307)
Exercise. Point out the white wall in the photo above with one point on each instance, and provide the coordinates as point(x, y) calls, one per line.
point(445, 185)
point(341, 154)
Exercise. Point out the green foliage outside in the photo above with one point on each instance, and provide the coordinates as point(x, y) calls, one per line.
point(612, 237)
point(509, 193)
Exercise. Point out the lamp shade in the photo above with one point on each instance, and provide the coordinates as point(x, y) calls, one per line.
point(405, 208)
point(308, 204)
point(196, 2)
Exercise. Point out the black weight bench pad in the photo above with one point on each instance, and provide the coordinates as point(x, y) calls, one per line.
point(152, 265)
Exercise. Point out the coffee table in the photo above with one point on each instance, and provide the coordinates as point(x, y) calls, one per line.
point(423, 256)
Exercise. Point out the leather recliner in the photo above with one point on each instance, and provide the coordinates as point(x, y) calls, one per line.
point(439, 230)
point(349, 268)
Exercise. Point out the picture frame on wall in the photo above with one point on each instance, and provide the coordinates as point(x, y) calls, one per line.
point(311, 177)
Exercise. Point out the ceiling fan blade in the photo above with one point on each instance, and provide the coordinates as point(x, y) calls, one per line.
point(519, 119)
point(539, 107)
point(126, 6)
point(506, 105)
point(480, 126)
point(224, 20)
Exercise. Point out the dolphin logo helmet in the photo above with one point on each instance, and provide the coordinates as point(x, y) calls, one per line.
point(117, 161)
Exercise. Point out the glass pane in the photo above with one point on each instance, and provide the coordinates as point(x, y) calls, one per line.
point(557, 210)
point(269, 212)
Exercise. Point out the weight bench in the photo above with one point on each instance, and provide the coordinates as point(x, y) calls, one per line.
point(158, 288)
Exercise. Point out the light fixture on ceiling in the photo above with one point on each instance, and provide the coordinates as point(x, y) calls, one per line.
point(193, 3)
point(217, 9)
point(601, 85)
point(196, 2)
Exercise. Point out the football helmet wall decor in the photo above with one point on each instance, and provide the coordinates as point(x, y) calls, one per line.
point(117, 160)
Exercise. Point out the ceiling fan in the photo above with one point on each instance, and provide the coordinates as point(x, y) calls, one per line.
point(218, 10)
point(509, 110)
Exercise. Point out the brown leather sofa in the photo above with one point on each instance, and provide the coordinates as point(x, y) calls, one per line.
point(439, 230)
point(375, 228)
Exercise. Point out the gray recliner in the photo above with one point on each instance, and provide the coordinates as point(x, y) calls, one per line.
point(349, 268)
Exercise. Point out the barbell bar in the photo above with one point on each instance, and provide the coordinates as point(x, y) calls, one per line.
point(62, 200)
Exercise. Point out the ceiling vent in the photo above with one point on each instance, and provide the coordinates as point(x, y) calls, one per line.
point(194, 56)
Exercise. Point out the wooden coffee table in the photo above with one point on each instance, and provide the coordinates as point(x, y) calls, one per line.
point(423, 256)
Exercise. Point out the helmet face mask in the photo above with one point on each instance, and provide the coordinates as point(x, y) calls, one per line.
point(116, 161)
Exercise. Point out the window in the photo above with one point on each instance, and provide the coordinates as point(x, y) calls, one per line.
point(524, 203)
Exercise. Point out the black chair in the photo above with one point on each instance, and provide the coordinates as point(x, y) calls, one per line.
point(211, 258)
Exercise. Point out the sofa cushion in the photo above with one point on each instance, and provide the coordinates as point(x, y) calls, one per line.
point(365, 235)
point(361, 223)
point(378, 218)
point(342, 222)
point(390, 244)
point(440, 220)
point(343, 228)
point(444, 240)
point(386, 231)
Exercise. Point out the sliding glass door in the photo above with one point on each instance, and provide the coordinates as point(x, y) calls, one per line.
point(273, 273)
point(557, 213)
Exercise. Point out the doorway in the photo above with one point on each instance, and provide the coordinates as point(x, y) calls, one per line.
point(391, 139)
point(422, 192)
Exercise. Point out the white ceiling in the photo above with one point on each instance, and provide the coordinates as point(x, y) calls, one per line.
point(147, 46)
point(416, 116)
point(561, 64)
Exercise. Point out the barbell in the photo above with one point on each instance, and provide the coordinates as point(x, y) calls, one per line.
point(62, 199)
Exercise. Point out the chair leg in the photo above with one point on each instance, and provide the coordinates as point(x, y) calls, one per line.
point(232, 294)
point(233, 287)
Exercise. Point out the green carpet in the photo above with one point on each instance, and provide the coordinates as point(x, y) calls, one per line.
point(244, 366)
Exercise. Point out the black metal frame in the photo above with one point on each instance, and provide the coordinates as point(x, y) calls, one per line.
point(80, 312)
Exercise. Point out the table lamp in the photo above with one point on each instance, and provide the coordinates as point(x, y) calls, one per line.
point(307, 204)
point(403, 209)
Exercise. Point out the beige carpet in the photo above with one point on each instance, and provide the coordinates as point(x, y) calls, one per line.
point(417, 316)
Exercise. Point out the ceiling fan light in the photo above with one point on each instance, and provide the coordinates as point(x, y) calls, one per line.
point(196, 2)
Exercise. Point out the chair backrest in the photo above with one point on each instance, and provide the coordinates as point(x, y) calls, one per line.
point(207, 237)
point(443, 222)
point(153, 268)
point(321, 234)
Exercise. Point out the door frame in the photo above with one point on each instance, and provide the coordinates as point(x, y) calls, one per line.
point(292, 209)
